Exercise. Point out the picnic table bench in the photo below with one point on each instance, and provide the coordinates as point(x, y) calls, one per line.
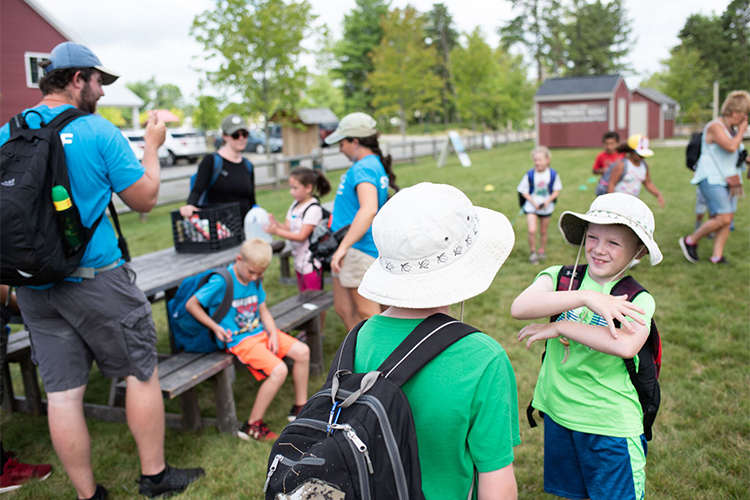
point(158, 276)
point(19, 351)
point(181, 373)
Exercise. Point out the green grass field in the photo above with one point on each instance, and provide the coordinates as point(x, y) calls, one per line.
point(701, 439)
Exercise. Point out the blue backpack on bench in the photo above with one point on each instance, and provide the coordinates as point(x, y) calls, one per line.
point(189, 334)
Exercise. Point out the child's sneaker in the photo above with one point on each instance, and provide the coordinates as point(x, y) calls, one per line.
point(173, 482)
point(257, 430)
point(534, 258)
point(294, 412)
point(541, 256)
point(689, 251)
point(15, 474)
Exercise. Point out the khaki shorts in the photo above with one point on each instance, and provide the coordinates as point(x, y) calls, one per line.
point(353, 268)
point(106, 319)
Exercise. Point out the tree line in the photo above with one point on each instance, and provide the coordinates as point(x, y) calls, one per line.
point(409, 67)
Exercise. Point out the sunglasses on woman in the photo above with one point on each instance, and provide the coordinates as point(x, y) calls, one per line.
point(240, 133)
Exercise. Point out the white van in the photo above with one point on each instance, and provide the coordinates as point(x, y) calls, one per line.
point(188, 143)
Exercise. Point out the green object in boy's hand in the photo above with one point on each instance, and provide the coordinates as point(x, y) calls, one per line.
point(592, 180)
point(583, 187)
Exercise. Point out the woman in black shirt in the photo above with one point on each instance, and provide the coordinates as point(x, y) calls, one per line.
point(235, 182)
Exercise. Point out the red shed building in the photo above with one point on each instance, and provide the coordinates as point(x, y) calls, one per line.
point(652, 113)
point(575, 112)
point(27, 34)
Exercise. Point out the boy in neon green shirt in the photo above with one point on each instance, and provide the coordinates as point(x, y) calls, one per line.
point(594, 443)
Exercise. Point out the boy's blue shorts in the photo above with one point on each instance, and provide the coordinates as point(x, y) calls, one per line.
point(578, 465)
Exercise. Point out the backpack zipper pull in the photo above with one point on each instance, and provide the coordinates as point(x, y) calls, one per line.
point(271, 470)
point(361, 446)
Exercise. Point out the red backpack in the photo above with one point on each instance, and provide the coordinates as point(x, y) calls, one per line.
point(646, 378)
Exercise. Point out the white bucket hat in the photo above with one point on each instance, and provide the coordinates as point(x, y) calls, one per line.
point(353, 125)
point(613, 208)
point(436, 248)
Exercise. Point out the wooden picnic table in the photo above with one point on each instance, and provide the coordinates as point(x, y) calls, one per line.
point(159, 274)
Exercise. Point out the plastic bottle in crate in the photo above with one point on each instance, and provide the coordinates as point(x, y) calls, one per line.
point(255, 220)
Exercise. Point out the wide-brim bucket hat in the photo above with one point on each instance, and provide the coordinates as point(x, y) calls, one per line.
point(435, 248)
point(613, 208)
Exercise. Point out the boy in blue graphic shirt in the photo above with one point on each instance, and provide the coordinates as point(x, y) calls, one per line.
point(249, 332)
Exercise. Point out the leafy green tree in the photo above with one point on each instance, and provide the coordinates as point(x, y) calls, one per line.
point(114, 115)
point(168, 96)
point(515, 93)
point(157, 96)
point(537, 27)
point(322, 93)
point(403, 81)
point(257, 44)
point(362, 33)
point(722, 42)
point(475, 73)
point(440, 32)
point(596, 38)
point(689, 81)
point(206, 114)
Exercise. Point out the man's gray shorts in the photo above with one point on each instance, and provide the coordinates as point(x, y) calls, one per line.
point(107, 319)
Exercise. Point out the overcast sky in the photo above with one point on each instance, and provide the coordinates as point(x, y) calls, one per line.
point(144, 38)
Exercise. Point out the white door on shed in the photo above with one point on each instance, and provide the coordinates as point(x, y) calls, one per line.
point(638, 118)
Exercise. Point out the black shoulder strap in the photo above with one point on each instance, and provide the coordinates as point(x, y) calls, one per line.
point(412, 354)
point(67, 116)
point(431, 337)
point(344, 358)
point(226, 302)
point(314, 204)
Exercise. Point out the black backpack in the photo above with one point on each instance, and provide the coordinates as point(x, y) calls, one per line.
point(356, 437)
point(33, 250)
point(693, 150)
point(323, 241)
point(646, 378)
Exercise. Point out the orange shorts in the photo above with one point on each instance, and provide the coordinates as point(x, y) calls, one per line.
point(254, 353)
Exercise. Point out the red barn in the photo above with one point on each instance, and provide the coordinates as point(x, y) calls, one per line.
point(575, 112)
point(27, 34)
point(652, 113)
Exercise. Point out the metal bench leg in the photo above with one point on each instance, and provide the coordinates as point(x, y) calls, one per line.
point(31, 387)
point(191, 412)
point(315, 343)
point(225, 409)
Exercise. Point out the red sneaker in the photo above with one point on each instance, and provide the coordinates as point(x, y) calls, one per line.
point(257, 430)
point(16, 473)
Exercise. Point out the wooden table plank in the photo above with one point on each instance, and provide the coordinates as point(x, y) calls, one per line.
point(204, 368)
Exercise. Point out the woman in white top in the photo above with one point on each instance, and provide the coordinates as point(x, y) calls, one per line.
point(719, 161)
point(630, 173)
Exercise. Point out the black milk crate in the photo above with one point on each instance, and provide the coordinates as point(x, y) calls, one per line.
point(211, 229)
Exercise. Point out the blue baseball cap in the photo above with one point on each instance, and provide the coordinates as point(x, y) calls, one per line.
point(75, 55)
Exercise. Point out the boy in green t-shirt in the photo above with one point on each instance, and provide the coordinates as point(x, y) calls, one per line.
point(594, 446)
point(437, 249)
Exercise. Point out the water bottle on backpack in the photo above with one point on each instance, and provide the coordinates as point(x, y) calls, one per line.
point(255, 220)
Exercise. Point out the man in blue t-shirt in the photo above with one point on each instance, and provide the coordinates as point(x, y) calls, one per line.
point(106, 318)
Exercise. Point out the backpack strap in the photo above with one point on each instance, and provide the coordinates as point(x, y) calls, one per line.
point(564, 278)
point(226, 301)
point(314, 204)
point(530, 175)
point(552, 178)
point(218, 163)
point(431, 337)
point(343, 361)
point(67, 116)
point(248, 165)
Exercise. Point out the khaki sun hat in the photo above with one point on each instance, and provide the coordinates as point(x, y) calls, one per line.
point(436, 248)
point(353, 125)
point(613, 208)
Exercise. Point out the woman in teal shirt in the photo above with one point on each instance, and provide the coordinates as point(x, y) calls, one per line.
point(362, 190)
